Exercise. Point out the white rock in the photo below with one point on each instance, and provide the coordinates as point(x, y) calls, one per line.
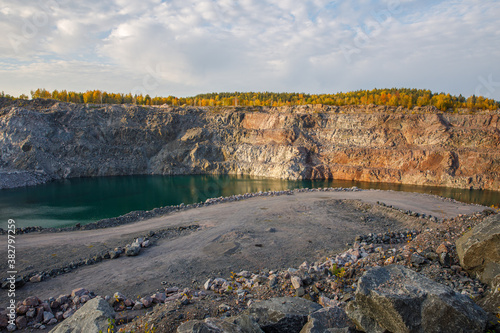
point(245, 274)
point(208, 284)
point(296, 282)
point(119, 296)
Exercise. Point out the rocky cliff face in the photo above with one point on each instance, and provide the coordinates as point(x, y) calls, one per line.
point(59, 140)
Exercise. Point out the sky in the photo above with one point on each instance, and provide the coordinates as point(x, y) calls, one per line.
point(187, 47)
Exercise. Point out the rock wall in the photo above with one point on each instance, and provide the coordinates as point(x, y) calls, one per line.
point(53, 140)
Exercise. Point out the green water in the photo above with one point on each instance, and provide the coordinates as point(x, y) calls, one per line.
point(85, 200)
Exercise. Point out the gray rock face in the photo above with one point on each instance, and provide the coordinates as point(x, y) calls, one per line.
point(209, 325)
point(283, 314)
point(397, 299)
point(92, 317)
point(491, 300)
point(479, 249)
point(332, 319)
point(51, 140)
point(247, 324)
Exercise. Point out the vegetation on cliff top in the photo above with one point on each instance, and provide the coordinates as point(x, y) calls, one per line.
point(408, 98)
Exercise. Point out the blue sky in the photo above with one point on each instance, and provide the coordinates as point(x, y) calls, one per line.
point(186, 47)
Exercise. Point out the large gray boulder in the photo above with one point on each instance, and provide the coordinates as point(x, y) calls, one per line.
point(282, 314)
point(397, 299)
point(90, 318)
point(331, 320)
point(479, 249)
point(132, 250)
point(246, 323)
point(209, 325)
point(491, 299)
point(239, 324)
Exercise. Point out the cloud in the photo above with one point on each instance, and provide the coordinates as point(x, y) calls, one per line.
point(185, 47)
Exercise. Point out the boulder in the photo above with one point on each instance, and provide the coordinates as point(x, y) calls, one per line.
point(137, 306)
point(159, 298)
point(209, 325)
point(326, 320)
point(132, 250)
point(282, 314)
point(397, 299)
point(296, 282)
point(62, 299)
point(114, 254)
point(22, 309)
point(36, 278)
point(21, 322)
point(119, 297)
point(92, 317)
point(31, 301)
point(79, 292)
point(479, 249)
point(147, 301)
point(491, 299)
point(247, 324)
point(47, 316)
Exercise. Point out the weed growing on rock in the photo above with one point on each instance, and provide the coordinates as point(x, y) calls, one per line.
point(111, 326)
point(339, 273)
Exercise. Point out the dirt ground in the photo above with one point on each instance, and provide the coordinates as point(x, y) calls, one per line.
point(257, 233)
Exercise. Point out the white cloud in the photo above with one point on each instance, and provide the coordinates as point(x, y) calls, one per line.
point(185, 47)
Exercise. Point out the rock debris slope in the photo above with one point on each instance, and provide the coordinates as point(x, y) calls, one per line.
point(43, 139)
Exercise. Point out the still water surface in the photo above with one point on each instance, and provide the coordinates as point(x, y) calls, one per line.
point(86, 200)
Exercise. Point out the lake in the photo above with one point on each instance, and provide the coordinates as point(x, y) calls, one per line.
point(86, 200)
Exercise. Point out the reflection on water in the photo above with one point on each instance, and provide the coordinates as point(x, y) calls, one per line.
point(85, 200)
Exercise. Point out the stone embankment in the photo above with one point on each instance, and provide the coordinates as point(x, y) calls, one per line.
point(42, 140)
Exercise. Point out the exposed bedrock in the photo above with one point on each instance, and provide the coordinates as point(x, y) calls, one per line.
point(51, 140)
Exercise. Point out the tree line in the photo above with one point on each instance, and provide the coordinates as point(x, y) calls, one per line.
point(408, 98)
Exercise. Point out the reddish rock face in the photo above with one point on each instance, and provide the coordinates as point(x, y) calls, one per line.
point(365, 143)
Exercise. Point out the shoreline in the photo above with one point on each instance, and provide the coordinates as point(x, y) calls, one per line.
point(139, 215)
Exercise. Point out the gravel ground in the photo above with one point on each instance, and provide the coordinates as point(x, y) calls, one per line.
point(329, 281)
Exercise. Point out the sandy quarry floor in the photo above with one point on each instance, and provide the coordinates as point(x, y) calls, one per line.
point(232, 236)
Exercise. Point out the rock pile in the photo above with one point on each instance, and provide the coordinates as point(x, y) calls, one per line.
point(35, 313)
point(120, 302)
point(414, 214)
point(398, 237)
point(131, 249)
point(94, 316)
